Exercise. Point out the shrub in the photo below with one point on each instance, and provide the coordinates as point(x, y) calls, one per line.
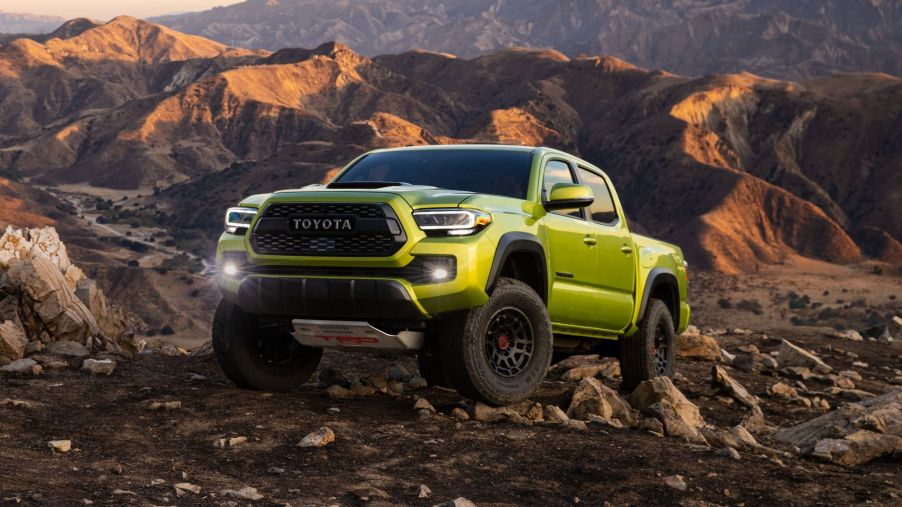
point(750, 305)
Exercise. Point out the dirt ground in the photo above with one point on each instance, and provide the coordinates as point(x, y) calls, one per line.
point(124, 453)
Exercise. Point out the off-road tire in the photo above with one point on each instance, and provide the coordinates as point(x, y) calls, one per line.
point(637, 352)
point(466, 361)
point(236, 335)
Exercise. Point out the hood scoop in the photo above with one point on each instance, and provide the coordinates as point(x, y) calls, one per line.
point(366, 184)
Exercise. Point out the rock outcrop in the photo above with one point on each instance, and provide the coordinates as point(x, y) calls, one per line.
point(47, 300)
point(854, 433)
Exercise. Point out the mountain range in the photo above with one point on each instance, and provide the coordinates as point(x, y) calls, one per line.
point(738, 169)
point(14, 22)
point(787, 39)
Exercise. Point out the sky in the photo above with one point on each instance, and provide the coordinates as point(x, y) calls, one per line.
point(106, 9)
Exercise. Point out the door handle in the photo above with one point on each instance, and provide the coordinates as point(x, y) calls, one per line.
point(626, 249)
point(589, 240)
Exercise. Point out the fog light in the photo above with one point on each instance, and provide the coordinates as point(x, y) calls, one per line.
point(230, 269)
point(440, 274)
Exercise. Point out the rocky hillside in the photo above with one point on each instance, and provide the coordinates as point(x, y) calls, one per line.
point(738, 169)
point(780, 38)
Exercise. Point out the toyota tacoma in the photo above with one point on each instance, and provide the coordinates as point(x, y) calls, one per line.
point(484, 260)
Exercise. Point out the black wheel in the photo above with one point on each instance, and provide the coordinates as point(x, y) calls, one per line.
point(255, 355)
point(499, 352)
point(650, 352)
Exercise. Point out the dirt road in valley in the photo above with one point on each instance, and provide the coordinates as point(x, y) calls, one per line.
point(126, 454)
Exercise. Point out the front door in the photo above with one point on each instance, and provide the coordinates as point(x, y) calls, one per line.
point(571, 247)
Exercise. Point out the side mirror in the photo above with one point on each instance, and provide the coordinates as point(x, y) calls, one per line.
point(569, 195)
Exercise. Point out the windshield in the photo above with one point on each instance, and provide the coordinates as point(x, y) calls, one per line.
point(484, 171)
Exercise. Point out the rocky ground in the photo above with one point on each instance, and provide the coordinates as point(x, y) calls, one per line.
point(774, 413)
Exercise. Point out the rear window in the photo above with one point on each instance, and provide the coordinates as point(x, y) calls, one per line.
point(483, 171)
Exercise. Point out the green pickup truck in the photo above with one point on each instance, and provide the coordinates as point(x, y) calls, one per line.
point(484, 260)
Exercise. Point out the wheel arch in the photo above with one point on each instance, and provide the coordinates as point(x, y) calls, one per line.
point(662, 284)
point(520, 255)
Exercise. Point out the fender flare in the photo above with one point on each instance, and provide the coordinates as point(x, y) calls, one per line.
point(512, 242)
point(659, 276)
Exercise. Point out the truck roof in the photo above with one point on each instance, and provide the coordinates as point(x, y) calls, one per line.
point(477, 146)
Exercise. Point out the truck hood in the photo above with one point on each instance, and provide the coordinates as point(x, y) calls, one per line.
point(416, 196)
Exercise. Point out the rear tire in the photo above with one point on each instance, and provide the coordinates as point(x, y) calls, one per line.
point(651, 351)
point(498, 353)
point(255, 356)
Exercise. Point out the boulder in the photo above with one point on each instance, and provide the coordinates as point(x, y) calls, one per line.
point(697, 346)
point(880, 415)
point(659, 398)
point(594, 398)
point(50, 297)
point(721, 380)
point(857, 448)
point(793, 355)
point(12, 340)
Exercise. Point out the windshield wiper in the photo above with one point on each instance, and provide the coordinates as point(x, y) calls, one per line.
point(366, 184)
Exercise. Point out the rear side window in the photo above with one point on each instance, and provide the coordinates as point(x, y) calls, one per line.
point(602, 209)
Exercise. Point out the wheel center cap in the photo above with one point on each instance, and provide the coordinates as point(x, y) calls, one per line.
point(504, 342)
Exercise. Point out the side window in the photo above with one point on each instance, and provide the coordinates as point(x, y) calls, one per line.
point(602, 209)
point(557, 171)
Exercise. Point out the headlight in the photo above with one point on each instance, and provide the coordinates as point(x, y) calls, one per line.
point(237, 220)
point(451, 222)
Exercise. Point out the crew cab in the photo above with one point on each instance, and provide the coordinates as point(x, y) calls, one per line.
point(484, 260)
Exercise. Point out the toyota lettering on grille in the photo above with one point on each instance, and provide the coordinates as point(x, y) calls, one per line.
point(321, 224)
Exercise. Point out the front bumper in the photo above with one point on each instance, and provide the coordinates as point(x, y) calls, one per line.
point(327, 298)
point(356, 288)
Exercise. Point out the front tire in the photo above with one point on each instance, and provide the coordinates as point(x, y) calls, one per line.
point(651, 351)
point(257, 356)
point(498, 353)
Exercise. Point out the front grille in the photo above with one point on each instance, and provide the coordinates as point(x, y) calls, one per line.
point(373, 238)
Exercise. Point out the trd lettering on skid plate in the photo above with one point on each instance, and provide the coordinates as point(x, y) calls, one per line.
point(350, 340)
